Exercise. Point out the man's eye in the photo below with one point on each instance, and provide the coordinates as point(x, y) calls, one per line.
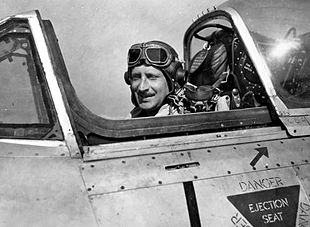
point(135, 77)
point(152, 77)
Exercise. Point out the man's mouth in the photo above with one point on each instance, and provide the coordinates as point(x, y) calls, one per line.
point(145, 97)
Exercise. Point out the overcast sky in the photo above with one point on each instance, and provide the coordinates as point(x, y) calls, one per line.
point(94, 37)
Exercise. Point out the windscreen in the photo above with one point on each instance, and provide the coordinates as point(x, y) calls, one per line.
point(20, 94)
point(26, 110)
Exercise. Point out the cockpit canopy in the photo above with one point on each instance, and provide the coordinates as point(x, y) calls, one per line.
point(280, 30)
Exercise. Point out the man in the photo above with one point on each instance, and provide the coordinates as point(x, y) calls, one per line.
point(153, 75)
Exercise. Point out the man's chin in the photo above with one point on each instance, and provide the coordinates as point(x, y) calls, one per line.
point(146, 106)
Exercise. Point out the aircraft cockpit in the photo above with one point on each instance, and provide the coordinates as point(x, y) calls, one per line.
point(281, 51)
point(242, 56)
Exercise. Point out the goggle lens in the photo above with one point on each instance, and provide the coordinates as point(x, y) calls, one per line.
point(157, 55)
point(133, 55)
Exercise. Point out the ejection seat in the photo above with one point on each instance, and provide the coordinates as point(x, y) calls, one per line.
point(222, 76)
point(210, 84)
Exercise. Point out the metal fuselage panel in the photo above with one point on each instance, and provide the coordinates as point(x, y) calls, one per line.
point(42, 191)
point(263, 183)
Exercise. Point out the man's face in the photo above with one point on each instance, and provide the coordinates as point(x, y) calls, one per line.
point(149, 86)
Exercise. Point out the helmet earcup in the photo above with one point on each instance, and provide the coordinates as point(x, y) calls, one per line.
point(176, 72)
point(126, 78)
point(181, 76)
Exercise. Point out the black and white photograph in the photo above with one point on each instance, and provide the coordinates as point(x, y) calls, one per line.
point(155, 113)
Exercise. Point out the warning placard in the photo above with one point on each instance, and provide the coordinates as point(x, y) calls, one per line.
point(275, 207)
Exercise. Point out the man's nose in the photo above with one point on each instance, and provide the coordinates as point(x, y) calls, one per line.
point(144, 84)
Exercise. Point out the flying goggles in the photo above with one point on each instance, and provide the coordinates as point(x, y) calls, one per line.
point(152, 54)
